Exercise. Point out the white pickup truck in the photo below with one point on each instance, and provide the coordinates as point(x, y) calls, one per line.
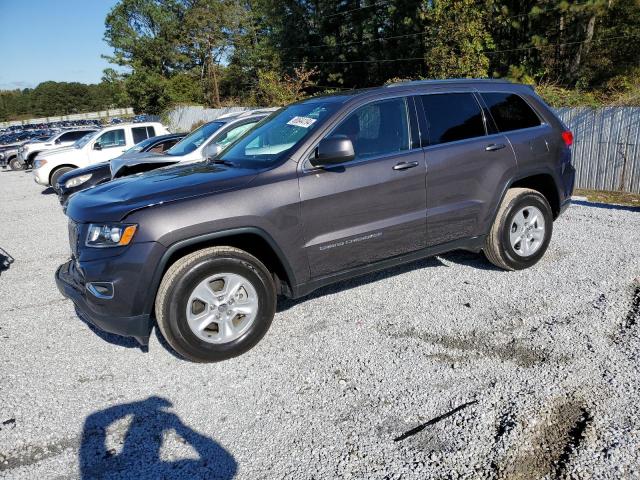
point(101, 146)
point(28, 152)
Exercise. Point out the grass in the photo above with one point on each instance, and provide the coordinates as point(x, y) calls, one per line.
point(602, 196)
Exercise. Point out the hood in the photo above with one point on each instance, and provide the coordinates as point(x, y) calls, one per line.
point(139, 158)
point(114, 200)
point(56, 151)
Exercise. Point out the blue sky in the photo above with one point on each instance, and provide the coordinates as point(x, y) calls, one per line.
point(52, 40)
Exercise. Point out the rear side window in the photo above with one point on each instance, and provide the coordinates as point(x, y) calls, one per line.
point(452, 116)
point(510, 111)
point(142, 133)
point(377, 128)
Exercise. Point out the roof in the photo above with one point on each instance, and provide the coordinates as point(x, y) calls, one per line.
point(344, 96)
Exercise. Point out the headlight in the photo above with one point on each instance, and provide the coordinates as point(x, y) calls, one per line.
point(39, 163)
point(75, 181)
point(110, 235)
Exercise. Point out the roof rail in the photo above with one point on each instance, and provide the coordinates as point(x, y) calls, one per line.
point(448, 81)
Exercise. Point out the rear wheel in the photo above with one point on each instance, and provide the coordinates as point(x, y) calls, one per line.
point(521, 231)
point(55, 176)
point(215, 304)
point(16, 164)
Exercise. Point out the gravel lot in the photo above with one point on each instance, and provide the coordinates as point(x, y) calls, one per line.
point(352, 382)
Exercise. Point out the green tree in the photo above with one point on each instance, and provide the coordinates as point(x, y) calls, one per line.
point(456, 39)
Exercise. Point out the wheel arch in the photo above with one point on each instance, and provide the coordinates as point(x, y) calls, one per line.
point(252, 240)
point(58, 167)
point(545, 185)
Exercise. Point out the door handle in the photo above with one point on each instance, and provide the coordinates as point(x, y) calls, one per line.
point(495, 146)
point(405, 165)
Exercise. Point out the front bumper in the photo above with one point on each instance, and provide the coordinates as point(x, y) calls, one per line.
point(41, 176)
point(71, 284)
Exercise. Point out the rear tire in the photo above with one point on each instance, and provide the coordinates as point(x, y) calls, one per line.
point(521, 231)
point(215, 304)
point(55, 176)
point(16, 164)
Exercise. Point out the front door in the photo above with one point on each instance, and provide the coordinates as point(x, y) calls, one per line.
point(372, 207)
point(112, 144)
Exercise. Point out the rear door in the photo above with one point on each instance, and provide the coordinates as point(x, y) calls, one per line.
point(372, 207)
point(467, 166)
point(523, 127)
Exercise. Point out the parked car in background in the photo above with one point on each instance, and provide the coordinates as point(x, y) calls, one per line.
point(324, 190)
point(9, 157)
point(86, 177)
point(100, 146)
point(205, 141)
point(29, 150)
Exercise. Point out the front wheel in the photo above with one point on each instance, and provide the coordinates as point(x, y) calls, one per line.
point(215, 304)
point(16, 164)
point(521, 231)
point(55, 176)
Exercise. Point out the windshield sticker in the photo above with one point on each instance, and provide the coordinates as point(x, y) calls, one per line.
point(304, 122)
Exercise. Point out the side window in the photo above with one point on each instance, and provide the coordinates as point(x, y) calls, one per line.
point(167, 144)
point(510, 111)
point(72, 136)
point(377, 128)
point(113, 138)
point(452, 116)
point(227, 137)
point(142, 133)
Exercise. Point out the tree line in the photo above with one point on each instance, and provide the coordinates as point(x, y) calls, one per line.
point(62, 98)
point(271, 52)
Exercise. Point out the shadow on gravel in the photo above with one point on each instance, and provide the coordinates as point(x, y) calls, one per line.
point(136, 453)
point(5, 260)
point(607, 206)
point(470, 259)
point(47, 191)
point(287, 303)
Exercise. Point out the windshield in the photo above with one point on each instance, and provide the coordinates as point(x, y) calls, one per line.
point(86, 139)
point(139, 146)
point(196, 138)
point(272, 139)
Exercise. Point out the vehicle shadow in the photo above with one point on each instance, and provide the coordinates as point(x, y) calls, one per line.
point(47, 191)
point(286, 303)
point(138, 454)
point(5, 260)
point(470, 259)
point(112, 338)
point(607, 206)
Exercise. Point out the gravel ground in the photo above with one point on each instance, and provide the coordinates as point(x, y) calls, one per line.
point(443, 368)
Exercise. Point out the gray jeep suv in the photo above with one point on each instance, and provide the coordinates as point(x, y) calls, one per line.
point(325, 189)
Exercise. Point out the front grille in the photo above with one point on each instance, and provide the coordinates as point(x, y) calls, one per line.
point(74, 238)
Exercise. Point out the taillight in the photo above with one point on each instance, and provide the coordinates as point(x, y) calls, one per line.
point(567, 136)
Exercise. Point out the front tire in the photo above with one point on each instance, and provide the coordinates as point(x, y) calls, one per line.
point(215, 304)
point(521, 231)
point(55, 176)
point(16, 164)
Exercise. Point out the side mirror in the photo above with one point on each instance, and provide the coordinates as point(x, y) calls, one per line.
point(97, 146)
point(212, 150)
point(57, 141)
point(333, 150)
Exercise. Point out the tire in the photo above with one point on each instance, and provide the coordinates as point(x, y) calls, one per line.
point(518, 218)
point(218, 269)
point(55, 176)
point(16, 164)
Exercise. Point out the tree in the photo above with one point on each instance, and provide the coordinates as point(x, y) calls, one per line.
point(456, 39)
